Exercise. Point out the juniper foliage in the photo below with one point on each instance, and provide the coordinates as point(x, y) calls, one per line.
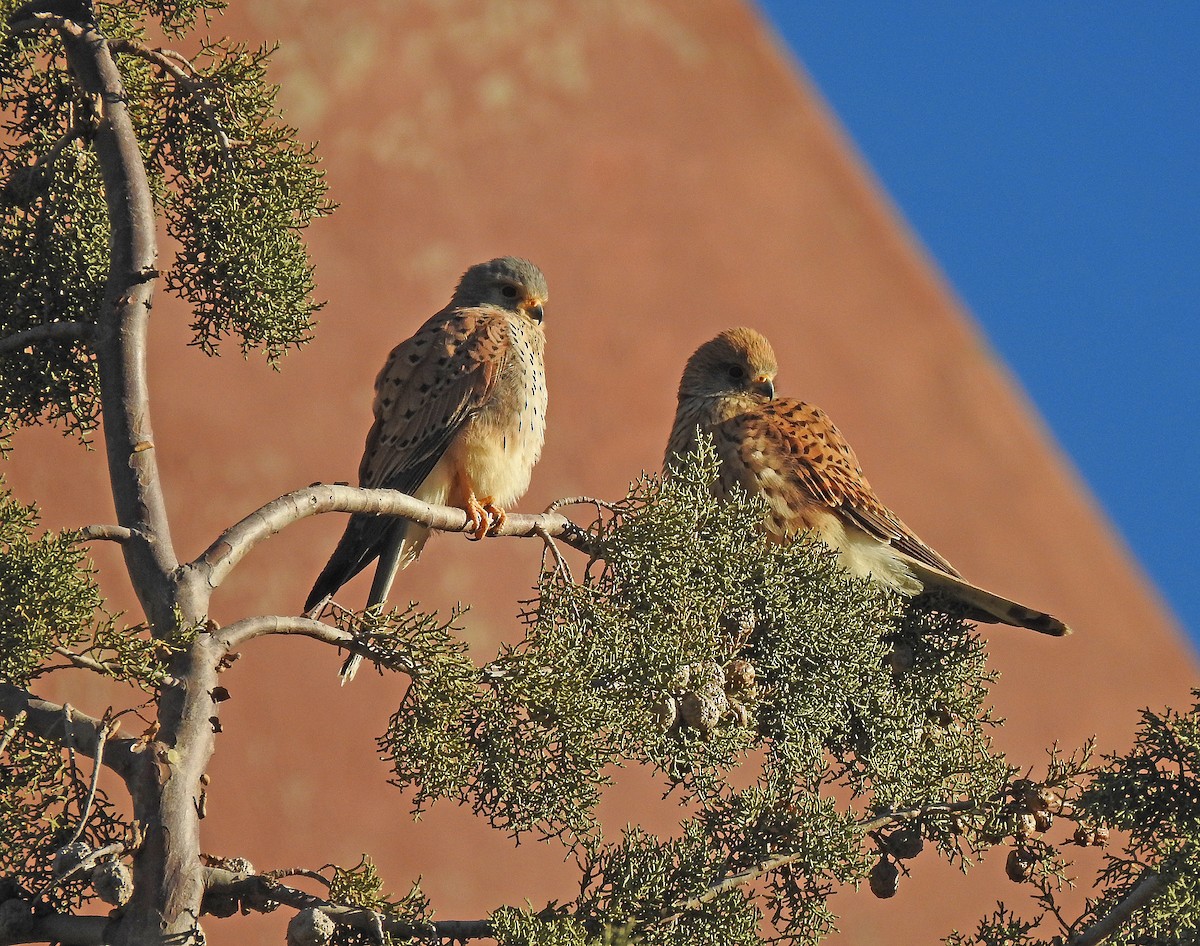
point(692, 645)
point(234, 184)
point(815, 733)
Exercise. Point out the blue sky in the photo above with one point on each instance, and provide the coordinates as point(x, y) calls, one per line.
point(1048, 155)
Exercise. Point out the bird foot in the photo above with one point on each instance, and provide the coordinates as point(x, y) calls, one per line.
point(484, 517)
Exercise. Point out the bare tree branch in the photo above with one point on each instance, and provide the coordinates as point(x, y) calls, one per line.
point(33, 21)
point(908, 814)
point(65, 929)
point(107, 533)
point(258, 892)
point(237, 541)
point(1150, 886)
point(120, 336)
point(239, 633)
point(106, 729)
point(47, 331)
point(82, 662)
point(49, 721)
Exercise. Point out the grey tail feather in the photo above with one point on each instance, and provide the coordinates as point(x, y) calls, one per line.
point(350, 668)
point(360, 544)
point(391, 556)
point(976, 604)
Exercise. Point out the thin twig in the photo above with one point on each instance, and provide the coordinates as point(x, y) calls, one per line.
point(179, 58)
point(85, 663)
point(97, 762)
point(11, 731)
point(107, 533)
point(85, 863)
point(47, 331)
point(561, 568)
point(907, 814)
point(783, 860)
point(51, 154)
point(1150, 886)
point(580, 501)
point(69, 740)
point(168, 61)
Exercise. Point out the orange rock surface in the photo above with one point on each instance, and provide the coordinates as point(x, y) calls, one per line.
point(673, 173)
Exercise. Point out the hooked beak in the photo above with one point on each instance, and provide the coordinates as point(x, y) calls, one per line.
point(764, 386)
point(535, 312)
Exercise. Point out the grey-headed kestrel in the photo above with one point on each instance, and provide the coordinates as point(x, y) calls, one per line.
point(460, 416)
point(792, 455)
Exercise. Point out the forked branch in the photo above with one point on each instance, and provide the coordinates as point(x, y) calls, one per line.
point(172, 63)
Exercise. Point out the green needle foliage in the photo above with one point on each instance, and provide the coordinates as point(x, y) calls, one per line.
point(815, 733)
point(47, 596)
point(51, 607)
point(692, 645)
point(234, 185)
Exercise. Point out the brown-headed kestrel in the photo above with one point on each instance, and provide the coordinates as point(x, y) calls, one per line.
point(460, 416)
point(792, 455)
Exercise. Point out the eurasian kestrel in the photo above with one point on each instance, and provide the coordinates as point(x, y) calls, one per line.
point(460, 416)
point(792, 455)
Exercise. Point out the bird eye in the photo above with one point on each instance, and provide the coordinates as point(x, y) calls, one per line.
point(509, 292)
point(737, 373)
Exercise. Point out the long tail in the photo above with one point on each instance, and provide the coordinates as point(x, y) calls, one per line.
point(395, 542)
point(975, 604)
point(361, 543)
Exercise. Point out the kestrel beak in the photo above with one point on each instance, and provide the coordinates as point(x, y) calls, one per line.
point(764, 386)
point(533, 308)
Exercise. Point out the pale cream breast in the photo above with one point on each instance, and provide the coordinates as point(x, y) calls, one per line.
point(498, 448)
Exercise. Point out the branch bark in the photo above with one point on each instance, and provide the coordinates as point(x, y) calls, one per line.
point(47, 331)
point(49, 720)
point(120, 337)
point(257, 892)
point(240, 632)
point(107, 533)
point(236, 542)
point(1150, 886)
point(64, 929)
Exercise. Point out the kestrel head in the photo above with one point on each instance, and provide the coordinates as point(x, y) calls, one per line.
point(508, 282)
point(739, 361)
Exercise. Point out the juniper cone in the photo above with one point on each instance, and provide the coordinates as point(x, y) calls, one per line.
point(792, 455)
point(460, 416)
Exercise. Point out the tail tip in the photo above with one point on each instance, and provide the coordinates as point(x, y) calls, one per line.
point(1050, 625)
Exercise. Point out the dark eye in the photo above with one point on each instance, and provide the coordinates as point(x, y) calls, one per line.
point(737, 373)
point(509, 292)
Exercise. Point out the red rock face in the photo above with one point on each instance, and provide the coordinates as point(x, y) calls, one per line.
point(673, 174)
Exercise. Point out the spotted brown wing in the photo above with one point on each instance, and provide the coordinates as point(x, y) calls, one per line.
point(813, 461)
